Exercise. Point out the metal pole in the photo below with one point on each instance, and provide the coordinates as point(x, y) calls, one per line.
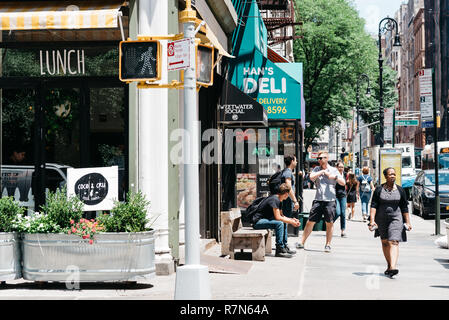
point(191, 182)
point(394, 123)
point(297, 177)
point(353, 144)
point(381, 107)
point(358, 121)
point(338, 132)
point(435, 138)
point(192, 280)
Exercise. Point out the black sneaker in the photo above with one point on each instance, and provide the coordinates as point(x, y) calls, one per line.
point(290, 251)
point(282, 252)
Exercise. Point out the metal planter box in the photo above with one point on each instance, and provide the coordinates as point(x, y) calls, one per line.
point(112, 257)
point(10, 260)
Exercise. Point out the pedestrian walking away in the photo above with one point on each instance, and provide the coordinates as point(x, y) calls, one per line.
point(325, 178)
point(351, 191)
point(390, 219)
point(340, 192)
point(365, 187)
point(269, 216)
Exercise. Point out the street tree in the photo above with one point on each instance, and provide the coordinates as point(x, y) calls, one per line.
point(335, 50)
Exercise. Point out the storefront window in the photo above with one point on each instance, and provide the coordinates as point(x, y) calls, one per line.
point(17, 111)
point(260, 156)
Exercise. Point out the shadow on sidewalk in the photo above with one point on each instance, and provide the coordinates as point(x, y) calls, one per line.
point(441, 287)
point(80, 286)
point(364, 274)
point(443, 262)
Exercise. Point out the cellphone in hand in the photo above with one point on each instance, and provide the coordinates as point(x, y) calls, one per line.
point(372, 228)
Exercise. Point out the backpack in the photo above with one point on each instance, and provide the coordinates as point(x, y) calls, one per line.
point(365, 185)
point(275, 182)
point(252, 209)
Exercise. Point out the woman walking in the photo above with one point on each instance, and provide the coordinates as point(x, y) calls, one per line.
point(364, 188)
point(341, 201)
point(351, 190)
point(389, 211)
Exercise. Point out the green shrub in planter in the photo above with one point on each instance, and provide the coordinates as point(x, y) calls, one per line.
point(55, 215)
point(128, 216)
point(9, 209)
point(61, 210)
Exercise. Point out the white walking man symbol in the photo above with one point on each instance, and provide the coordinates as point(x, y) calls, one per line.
point(146, 57)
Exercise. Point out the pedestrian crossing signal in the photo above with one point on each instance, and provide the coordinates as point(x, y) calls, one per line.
point(140, 60)
point(204, 64)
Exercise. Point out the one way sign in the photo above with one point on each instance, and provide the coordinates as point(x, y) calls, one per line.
point(178, 53)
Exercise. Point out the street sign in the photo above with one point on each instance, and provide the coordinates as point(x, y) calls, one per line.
point(388, 124)
point(391, 158)
point(407, 122)
point(140, 60)
point(178, 54)
point(426, 97)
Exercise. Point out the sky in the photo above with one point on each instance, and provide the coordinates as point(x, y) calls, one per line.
point(375, 10)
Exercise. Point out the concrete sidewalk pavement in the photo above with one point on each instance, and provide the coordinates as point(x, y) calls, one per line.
point(353, 270)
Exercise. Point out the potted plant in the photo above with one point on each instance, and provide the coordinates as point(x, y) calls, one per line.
point(10, 263)
point(114, 247)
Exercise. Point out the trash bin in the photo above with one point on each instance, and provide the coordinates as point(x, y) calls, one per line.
point(304, 217)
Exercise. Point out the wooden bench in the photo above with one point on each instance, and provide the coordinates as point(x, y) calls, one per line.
point(235, 236)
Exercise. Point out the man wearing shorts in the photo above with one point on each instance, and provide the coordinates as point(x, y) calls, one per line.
point(325, 178)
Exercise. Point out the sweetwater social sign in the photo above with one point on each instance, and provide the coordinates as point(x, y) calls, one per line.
point(97, 188)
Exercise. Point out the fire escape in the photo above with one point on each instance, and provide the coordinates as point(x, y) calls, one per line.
point(279, 18)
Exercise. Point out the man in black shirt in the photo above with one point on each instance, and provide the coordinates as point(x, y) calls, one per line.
point(269, 216)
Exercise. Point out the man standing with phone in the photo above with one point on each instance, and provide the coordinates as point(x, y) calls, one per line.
point(325, 178)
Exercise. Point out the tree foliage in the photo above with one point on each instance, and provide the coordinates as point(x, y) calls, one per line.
point(335, 50)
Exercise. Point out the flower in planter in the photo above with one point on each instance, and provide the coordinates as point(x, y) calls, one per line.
point(37, 223)
point(86, 229)
point(56, 216)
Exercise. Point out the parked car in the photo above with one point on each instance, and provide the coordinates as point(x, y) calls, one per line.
point(17, 181)
point(423, 193)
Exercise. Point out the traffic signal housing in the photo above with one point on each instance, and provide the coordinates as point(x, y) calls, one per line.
point(204, 64)
point(140, 60)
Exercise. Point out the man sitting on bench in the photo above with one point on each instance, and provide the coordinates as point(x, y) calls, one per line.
point(269, 216)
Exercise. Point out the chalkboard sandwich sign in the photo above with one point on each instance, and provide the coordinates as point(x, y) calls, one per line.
point(97, 188)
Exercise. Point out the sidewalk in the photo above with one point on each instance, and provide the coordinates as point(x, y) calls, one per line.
point(353, 270)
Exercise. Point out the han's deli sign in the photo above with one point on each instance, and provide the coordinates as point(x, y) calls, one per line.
point(268, 84)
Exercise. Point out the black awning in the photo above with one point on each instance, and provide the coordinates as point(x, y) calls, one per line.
point(238, 109)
